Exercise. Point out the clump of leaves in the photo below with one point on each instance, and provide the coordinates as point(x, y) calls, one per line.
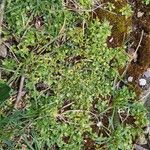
point(127, 11)
point(4, 92)
point(122, 138)
point(147, 2)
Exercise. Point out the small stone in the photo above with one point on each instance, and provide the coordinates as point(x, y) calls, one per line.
point(142, 82)
point(130, 79)
point(138, 147)
point(3, 51)
point(85, 141)
point(140, 14)
point(99, 124)
point(147, 74)
point(111, 40)
point(147, 130)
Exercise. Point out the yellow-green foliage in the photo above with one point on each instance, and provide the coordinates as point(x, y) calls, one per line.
point(69, 55)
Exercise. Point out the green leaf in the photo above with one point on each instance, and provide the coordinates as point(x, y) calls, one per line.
point(4, 92)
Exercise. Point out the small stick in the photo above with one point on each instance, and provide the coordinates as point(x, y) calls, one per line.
point(20, 91)
point(2, 5)
point(67, 106)
point(144, 97)
point(7, 45)
point(128, 63)
point(139, 44)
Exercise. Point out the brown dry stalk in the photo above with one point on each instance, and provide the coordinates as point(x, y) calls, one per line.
point(2, 5)
point(20, 91)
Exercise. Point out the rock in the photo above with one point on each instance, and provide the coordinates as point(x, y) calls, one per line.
point(147, 74)
point(130, 79)
point(99, 124)
point(147, 130)
point(3, 51)
point(147, 101)
point(142, 82)
point(111, 40)
point(140, 14)
point(139, 147)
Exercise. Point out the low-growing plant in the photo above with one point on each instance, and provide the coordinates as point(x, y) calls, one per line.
point(147, 2)
point(127, 11)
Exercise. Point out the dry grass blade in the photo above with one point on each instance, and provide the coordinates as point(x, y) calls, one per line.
point(2, 4)
point(20, 91)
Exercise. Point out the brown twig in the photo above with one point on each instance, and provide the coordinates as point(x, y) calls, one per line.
point(15, 57)
point(85, 10)
point(144, 97)
point(139, 44)
point(2, 5)
point(20, 91)
point(128, 63)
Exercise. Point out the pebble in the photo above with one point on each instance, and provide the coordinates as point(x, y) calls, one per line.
point(111, 40)
point(99, 124)
point(139, 147)
point(147, 130)
point(3, 51)
point(140, 14)
point(142, 82)
point(130, 79)
point(147, 74)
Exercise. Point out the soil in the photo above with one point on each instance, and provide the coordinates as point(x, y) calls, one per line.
point(140, 24)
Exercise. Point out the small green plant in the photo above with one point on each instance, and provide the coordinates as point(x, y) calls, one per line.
point(127, 11)
point(110, 6)
point(147, 2)
point(4, 92)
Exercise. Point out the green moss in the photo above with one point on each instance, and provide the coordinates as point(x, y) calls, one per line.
point(121, 24)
